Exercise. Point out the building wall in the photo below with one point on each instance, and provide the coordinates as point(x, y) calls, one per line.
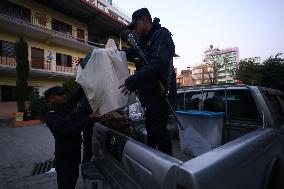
point(7, 109)
point(38, 9)
point(43, 82)
point(229, 58)
point(109, 8)
point(185, 78)
point(10, 80)
point(202, 73)
point(53, 48)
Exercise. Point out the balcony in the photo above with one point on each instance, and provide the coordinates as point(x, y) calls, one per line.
point(8, 64)
point(8, 61)
point(65, 69)
point(40, 28)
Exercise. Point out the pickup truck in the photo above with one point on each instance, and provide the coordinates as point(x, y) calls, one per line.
point(251, 155)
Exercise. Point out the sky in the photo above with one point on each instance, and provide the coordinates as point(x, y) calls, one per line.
point(256, 27)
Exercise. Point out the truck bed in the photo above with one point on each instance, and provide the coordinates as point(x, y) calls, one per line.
point(178, 154)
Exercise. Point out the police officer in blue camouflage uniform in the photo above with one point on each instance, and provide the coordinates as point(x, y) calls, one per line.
point(157, 44)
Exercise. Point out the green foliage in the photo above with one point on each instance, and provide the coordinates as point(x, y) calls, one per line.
point(250, 73)
point(38, 104)
point(269, 74)
point(71, 86)
point(179, 85)
point(273, 72)
point(21, 51)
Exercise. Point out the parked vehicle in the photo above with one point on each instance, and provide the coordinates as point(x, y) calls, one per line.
point(251, 155)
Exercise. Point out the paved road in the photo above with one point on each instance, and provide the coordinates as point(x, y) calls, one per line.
point(20, 149)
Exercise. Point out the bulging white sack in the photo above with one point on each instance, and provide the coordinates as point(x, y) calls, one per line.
point(104, 72)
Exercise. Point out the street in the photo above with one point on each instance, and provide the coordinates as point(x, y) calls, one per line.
point(21, 149)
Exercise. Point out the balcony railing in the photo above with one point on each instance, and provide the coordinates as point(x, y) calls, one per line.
point(42, 22)
point(47, 65)
point(7, 61)
point(66, 69)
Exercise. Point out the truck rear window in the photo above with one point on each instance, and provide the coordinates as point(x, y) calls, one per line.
point(214, 101)
point(193, 100)
point(277, 106)
point(241, 106)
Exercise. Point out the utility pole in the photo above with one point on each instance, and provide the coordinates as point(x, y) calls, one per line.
point(202, 75)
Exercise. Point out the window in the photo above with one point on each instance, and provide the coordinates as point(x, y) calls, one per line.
point(37, 58)
point(8, 93)
point(180, 101)
point(214, 101)
point(241, 106)
point(193, 100)
point(277, 106)
point(80, 35)
point(61, 27)
point(7, 49)
point(63, 60)
point(15, 10)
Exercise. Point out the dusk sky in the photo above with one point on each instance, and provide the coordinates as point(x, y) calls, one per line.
point(256, 27)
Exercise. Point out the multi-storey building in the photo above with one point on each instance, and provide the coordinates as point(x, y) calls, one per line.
point(203, 73)
point(58, 34)
point(225, 62)
point(185, 78)
point(108, 7)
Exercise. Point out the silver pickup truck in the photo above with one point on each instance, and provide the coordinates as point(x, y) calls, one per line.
point(251, 155)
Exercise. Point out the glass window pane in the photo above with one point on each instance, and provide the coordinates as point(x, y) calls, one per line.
point(193, 100)
point(7, 49)
point(180, 101)
point(277, 106)
point(214, 101)
point(241, 106)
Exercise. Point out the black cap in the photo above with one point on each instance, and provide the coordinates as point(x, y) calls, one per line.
point(54, 91)
point(138, 14)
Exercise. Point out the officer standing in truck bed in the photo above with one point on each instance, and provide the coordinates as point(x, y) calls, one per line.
point(159, 49)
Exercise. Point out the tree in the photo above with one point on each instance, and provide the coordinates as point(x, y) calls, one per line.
point(179, 86)
point(269, 74)
point(273, 72)
point(38, 104)
point(249, 73)
point(71, 86)
point(21, 51)
point(217, 65)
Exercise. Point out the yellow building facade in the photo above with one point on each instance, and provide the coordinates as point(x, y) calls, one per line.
point(56, 41)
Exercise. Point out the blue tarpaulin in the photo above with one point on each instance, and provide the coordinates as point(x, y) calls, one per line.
point(196, 113)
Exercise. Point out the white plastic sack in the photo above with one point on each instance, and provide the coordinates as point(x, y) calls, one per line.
point(104, 72)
